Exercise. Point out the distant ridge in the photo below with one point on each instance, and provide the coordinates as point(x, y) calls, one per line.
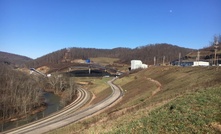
point(144, 53)
point(13, 59)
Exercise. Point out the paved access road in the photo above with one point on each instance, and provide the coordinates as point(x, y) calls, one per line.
point(83, 97)
point(68, 115)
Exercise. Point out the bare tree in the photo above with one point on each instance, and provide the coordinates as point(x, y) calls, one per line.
point(53, 81)
point(19, 92)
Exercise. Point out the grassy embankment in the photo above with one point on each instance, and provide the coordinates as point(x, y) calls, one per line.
point(104, 60)
point(110, 62)
point(96, 85)
point(187, 101)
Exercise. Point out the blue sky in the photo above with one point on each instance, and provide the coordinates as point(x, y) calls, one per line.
point(34, 28)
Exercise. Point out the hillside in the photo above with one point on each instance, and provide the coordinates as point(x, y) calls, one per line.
point(161, 100)
point(205, 54)
point(125, 55)
point(13, 59)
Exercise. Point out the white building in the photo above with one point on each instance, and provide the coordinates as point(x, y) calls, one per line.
point(200, 63)
point(135, 64)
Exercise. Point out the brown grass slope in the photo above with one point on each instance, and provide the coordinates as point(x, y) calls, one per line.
point(150, 94)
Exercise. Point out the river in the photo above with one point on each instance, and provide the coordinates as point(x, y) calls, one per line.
point(53, 105)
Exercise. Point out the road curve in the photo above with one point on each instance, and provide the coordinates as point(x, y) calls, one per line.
point(70, 117)
point(83, 97)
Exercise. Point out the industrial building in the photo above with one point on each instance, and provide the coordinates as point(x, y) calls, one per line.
point(200, 63)
point(135, 64)
point(191, 63)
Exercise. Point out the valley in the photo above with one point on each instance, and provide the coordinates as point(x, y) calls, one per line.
point(174, 94)
point(110, 67)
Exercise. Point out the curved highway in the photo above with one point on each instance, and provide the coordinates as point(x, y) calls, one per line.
point(68, 114)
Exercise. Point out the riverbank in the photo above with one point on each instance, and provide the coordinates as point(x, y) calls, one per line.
point(50, 104)
point(38, 109)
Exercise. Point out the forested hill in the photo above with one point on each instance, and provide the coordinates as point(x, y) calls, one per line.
point(144, 53)
point(13, 59)
point(159, 51)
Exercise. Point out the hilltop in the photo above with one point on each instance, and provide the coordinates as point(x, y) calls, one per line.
point(13, 59)
point(63, 59)
point(124, 55)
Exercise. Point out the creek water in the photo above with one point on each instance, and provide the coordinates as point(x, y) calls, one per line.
point(53, 105)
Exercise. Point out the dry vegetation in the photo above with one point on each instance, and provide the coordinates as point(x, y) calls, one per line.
point(13, 59)
point(96, 85)
point(62, 86)
point(104, 60)
point(188, 101)
point(20, 93)
point(125, 55)
point(155, 100)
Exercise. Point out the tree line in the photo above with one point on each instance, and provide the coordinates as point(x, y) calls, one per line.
point(125, 55)
point(21, 93)
point(158, 51)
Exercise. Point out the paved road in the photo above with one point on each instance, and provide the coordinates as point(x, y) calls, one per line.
point(68, 116)
point(83, 97)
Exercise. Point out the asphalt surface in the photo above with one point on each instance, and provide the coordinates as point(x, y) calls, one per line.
point(69, 115)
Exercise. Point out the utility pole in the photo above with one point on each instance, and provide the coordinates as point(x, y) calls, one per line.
point(163, 60)
point(89, 70)
point(215, 48)
point(154, 60)
point(179, 58)
point(198, 57)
